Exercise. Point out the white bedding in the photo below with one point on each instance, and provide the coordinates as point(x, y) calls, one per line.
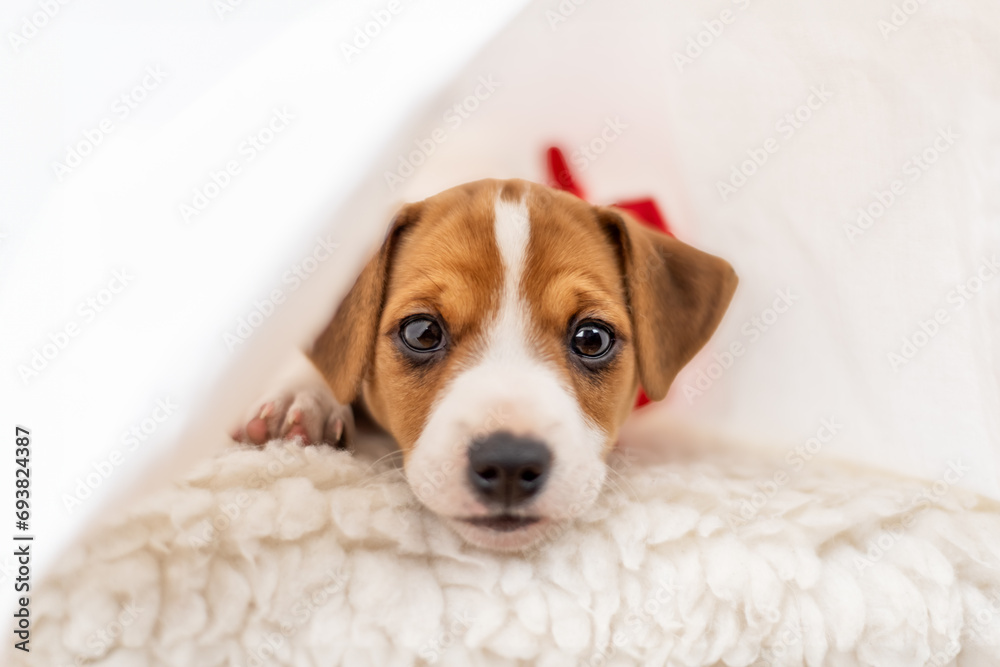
point(305, 556)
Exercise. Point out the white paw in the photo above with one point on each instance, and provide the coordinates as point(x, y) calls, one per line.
point(311, 414)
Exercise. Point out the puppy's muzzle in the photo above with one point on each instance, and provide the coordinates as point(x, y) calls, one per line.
point(507, 470)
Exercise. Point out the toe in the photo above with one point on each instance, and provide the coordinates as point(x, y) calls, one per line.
point(334, 431)
point(304, 419)
point(257, 431)
point(298, 431)
point(300, 423)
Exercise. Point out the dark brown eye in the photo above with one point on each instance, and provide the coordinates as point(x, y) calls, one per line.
point(592, 340)
point(422, 334)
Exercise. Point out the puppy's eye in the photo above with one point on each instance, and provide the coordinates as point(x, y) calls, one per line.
point(422, 334)
point(592, 340)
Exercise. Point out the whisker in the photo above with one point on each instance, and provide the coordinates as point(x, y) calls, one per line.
point(379, 460)
point(621, 481)
point(378, 479)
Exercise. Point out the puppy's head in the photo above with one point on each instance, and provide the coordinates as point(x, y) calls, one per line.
point(500, 335)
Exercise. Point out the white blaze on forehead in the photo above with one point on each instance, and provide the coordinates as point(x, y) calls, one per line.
point(508, 388)
point(512, 230)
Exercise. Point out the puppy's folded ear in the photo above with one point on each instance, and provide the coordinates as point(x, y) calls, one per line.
point(677, 295)
point(343, 351)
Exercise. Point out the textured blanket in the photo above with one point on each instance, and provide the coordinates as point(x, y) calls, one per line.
point(309, 556)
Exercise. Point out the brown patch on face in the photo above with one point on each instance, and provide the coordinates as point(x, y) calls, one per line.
point(574, 274)
point(448, 266)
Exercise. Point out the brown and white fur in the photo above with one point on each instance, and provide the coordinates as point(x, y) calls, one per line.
point(510, 270)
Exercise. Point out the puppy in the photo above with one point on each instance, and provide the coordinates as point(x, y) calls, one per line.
point(500, 336)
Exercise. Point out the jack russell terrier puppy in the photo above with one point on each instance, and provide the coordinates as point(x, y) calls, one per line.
point(500, 336)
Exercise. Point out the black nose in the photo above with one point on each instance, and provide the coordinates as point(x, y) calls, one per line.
point(506, 469)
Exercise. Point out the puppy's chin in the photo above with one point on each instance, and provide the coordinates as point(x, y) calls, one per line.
point(519, 539)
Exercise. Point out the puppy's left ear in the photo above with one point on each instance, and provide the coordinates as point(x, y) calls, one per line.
point(677, 295)
point(343, 351)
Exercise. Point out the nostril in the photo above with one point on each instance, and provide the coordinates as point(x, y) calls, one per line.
point(530, 475)
point(489, 473)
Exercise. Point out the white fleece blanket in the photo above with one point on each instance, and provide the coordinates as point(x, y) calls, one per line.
point(309, 556)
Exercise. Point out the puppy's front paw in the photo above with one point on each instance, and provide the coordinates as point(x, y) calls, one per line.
point(309, 414)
